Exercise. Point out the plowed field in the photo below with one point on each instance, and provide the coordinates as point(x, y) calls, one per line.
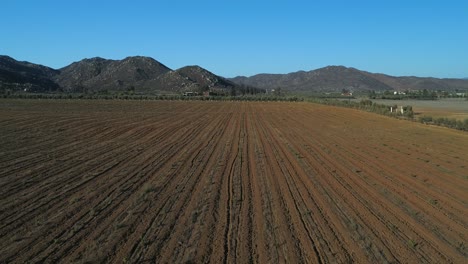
point(225, 182)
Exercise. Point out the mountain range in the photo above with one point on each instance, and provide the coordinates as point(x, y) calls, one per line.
point(146, 75)
point(139, 74)
point(337, 78)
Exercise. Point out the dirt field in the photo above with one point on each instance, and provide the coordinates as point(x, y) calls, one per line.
point(227, 182)
point(448, 107)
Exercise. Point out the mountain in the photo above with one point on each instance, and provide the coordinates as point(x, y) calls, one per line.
point(204, 78)
point(420, 83)
point(331, 78)
point(190, 78)
point(172, 81)
point(146, 75)
point(141, 74)
point(77, 75)
point(336, 78)
point(100, 74)
point(26, 76)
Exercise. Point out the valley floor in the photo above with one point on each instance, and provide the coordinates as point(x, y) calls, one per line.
point(225, 182)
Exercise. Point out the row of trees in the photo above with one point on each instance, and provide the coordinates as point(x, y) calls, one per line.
point(445, 122)
point(126, 96)
point(418, 95)
point(232, 91)
point(246, 90)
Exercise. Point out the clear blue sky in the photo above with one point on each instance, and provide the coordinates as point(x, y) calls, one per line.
point(236, 37)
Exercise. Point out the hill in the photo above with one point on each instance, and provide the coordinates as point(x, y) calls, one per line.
point(139, 74)
point(204, 78)
point(336, 78)
point(420, 83)
point(146, 75)
point(97, 74)
point(191, 78)
point(26, 76)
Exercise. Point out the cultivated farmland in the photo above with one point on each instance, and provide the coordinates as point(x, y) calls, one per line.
point(224, 182)
point(448, 107)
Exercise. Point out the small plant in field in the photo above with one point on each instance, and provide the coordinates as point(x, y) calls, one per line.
point(194, 216)
point(74, 200)
point(433, 201)
point(412, 244)
point(38, 222)
point(147, 188)
point(461, 246)
point(15, 238)
point(92, 212)
point(120, 225)
point(76, 228)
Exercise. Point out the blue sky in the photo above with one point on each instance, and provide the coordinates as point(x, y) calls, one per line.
point(230, 38)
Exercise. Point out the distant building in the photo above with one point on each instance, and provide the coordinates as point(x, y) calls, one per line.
point(208, 93)
point(190, 94)
point(215, 92)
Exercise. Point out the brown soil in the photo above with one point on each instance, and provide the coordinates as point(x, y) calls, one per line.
point(226, 182)
point(437, 113)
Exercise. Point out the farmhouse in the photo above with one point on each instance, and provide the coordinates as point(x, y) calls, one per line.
point(190, 94)
point(394, 109)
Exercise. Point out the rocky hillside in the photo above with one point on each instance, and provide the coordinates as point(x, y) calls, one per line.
point(138, 74)
point(205, 79)
point(172, 81)
point(418, 83)
point(190, 78)
point(336, 78)
point(146, 75)
point(100, 74)
point(77, 75)
point(26, 76)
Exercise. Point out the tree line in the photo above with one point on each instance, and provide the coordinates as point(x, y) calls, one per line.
point(129, 96)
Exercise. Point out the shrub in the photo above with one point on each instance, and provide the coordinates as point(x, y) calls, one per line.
point(425, 119)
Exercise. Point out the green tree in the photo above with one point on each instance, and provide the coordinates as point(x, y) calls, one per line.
point(233, 91)
point(278, 92)
point(425, 93)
